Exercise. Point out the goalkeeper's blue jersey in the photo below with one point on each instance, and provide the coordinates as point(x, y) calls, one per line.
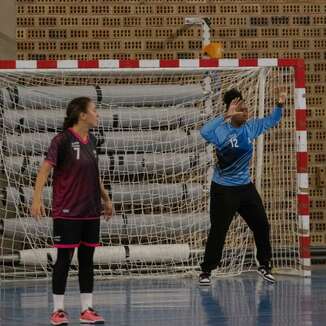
point(234, 146)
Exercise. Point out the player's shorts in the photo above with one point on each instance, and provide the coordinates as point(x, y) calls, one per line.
point(74, 233)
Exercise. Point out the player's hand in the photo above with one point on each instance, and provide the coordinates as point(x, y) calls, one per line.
point(233, 108)
point(281, 95)
point(108, 209)
point(37, 209)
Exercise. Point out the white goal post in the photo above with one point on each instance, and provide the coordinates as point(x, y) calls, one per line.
point(153, 161)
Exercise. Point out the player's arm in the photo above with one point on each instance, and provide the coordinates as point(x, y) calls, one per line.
point(51, 160)
point(259, 126)
point(108, 207)
point(210, 129)
point(37, 208)
point(104, 194)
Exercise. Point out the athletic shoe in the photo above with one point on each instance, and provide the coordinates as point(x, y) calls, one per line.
point(59, 317)
point(265, 273)
point(204, 278)
point(90, 316)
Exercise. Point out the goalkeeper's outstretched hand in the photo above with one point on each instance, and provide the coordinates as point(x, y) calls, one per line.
point(233, 109)
point(281, 96)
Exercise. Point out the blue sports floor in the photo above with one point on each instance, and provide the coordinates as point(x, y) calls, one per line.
point(245, 300)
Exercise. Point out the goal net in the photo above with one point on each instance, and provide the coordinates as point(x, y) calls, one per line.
point(153, 162)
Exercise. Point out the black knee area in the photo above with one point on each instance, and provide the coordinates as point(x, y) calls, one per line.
point(61, 269)
point(86, 274)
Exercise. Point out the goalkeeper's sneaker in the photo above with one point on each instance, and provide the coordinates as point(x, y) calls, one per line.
point(90, 316)
point(205, 278)
point(265, 273)
point(59, 317)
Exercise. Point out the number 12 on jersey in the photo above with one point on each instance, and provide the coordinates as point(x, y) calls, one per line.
point(234, 142)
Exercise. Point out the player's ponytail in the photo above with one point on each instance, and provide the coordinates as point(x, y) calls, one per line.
point(74, 109)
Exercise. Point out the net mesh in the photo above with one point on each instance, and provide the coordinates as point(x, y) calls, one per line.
point(153, 162)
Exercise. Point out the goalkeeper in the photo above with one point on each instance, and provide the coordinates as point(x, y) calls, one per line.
point(232, 191)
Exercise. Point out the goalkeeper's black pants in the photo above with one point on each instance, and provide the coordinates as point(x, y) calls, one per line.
point(225, 201)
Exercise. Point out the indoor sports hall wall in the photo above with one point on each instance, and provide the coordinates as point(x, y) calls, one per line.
point(100, 29)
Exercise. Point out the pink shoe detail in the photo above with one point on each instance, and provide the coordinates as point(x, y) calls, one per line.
point(90, 316)
point(59, 317)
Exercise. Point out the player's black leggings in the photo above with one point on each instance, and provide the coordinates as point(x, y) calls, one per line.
point(61, 268)
point(225, 202)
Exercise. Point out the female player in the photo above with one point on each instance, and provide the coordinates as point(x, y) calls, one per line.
point(231, 188)
point(76, 207)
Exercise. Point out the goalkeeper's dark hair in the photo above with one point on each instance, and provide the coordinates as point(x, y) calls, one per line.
point(75, 107)
point(230, 95)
